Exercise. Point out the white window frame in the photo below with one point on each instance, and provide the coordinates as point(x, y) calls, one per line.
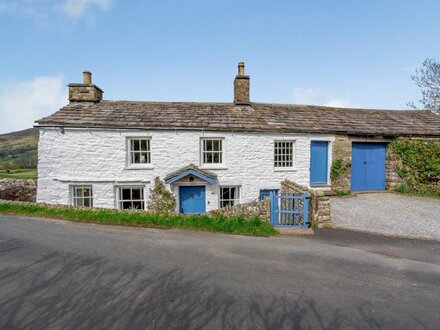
point(75, 198)
point(120, 201)
point(235, 201)
point(131, 153)
point(221, 152)
point(284, 157)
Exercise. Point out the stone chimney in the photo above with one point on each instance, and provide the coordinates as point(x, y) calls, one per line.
point(241, 87)
point(85, 92)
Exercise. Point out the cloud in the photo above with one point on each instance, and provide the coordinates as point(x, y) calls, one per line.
point(315, 96)
point(22, 103)
point(40, 10)
point(79, 8)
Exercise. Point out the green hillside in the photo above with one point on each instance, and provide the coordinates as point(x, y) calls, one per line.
point(18, 150)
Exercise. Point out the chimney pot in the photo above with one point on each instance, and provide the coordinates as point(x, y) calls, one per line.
point(87, 78)
point(241, 69)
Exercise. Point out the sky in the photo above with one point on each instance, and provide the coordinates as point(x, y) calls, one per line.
point(353, 53)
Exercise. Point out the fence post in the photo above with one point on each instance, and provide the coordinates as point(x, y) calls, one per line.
point(306, 209)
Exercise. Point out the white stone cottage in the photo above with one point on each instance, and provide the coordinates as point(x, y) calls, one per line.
point(101, 153)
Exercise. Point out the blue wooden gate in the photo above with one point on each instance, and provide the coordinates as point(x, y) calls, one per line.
point(287, 210)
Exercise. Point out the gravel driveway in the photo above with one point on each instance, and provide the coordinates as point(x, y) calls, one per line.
point(389, 214)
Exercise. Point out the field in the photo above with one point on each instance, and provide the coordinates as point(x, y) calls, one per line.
point(25, 173)
point(18, 150)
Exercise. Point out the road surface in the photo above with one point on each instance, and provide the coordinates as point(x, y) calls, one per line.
point(59, 274)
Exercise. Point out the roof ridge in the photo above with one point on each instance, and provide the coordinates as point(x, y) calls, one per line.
point(297, 105)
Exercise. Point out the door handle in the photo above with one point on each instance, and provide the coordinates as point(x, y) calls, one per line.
point(365, 162)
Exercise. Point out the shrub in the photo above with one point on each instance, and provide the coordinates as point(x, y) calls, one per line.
point(161, 199)
point(339, 167)
point(420, 169)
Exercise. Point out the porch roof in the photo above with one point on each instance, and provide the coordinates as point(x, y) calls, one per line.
point(191, 169)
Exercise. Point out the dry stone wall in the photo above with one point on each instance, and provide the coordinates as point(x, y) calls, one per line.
point(248, 210)
point(18, 190)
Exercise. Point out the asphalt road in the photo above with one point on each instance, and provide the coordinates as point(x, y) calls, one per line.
point(58, 274)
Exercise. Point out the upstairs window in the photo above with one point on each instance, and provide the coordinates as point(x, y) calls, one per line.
point(82, 196)
point(131, 198)
point(139, 152)
point(212, 151)
point(283, 154)
point(229, 196)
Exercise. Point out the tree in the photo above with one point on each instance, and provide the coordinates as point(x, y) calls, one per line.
point(161, 199)
point(427, 77)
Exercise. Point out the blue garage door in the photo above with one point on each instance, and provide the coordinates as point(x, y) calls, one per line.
point(368, 166)
point(192, 199)
point(318, 162)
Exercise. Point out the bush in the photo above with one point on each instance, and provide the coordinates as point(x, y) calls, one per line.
point(161, 199)
point(420, 170)
point(339, 167)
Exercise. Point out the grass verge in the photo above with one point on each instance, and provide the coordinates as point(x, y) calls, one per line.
point(232, 225)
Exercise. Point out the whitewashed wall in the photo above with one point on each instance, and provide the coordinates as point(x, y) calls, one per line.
point(99, 157)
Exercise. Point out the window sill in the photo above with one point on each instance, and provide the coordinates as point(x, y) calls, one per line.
point(284, 169)
point(218, 167)
point(139, 167)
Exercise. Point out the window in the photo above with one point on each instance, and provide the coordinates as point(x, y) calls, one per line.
point(283, 154)
point(82, 196)
point(212, 151)
point(265, 193)
point(229, 196)
point(139, 152)
point(131, 198)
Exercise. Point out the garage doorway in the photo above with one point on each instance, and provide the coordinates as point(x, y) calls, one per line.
point(368, 166)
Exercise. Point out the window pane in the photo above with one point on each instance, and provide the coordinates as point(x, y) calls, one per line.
point(136, 193)
point(79, 202)
point(136, 158)
point(136, 146)
point(78, 191)
point(143, 145)
point(87, 202)
point(216, 158)
point(215, 145)
point(126, 205)
point(86, 191)
point(125, 194)
point(208, 145)
point(138, 205)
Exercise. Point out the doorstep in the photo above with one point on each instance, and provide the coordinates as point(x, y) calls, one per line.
point(294, 231)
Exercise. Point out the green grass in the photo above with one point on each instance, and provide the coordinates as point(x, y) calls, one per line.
point(232, 225)
point(341, 193)
point(27, 173)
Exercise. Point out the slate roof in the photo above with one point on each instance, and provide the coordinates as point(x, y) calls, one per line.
point(256, 117)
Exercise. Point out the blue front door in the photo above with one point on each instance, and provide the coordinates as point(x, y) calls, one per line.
point(192, 199)
point(368, 166)
point(318, 162)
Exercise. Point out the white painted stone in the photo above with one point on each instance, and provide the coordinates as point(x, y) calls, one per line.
point(99, 157)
